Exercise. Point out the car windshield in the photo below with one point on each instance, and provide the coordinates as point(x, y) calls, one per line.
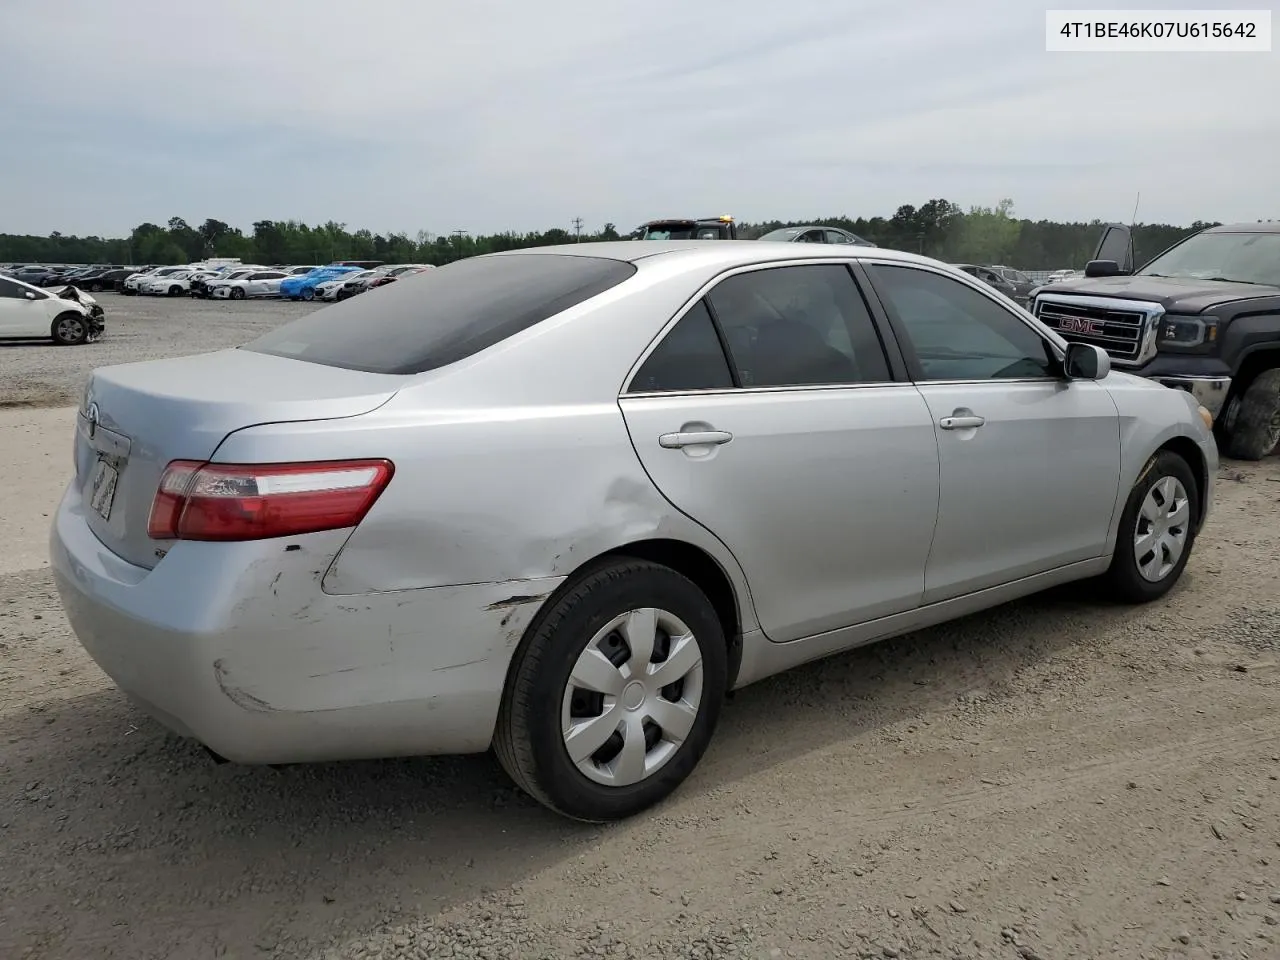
point(1240, 257)
point(670, 231)
point(786, 233)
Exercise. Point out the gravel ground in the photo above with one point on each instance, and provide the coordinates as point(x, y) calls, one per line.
point(138, 328)
point(1055, 779)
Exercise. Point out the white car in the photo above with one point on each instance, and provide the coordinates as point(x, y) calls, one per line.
point(168, 284)
point(29, 313)
point(1059, 275)
point(330, 289)
point(260, 283)
point(239, 273)
point(135, 283)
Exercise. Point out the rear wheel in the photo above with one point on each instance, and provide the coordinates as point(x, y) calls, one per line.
point(95, 287)
point(1157, 531)
point(615, 692)
point(1252, 421)
point(70, 329)
point(308, 294)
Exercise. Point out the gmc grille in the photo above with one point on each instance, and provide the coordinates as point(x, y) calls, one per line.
point(1119, 332)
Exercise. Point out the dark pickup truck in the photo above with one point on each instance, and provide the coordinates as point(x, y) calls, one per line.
point(677, 228)
point(1203, 316)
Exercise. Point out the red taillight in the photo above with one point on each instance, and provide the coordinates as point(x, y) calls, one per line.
point(223, 501)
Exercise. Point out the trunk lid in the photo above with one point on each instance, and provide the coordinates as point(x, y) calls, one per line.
point(137, 417)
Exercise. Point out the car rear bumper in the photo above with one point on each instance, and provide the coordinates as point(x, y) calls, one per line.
point(237, 646)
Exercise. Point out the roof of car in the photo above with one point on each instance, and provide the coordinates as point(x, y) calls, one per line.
point(727, 253)
point(1262, 226)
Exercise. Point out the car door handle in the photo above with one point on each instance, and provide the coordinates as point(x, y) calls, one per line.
point(674, 441)
point(961, 423)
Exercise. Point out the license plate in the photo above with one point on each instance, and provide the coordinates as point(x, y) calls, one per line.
point(102, 489)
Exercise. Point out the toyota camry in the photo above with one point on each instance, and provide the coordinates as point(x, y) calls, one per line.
point(558, 502)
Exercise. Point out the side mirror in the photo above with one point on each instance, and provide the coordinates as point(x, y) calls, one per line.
point(1084, 361)
point(1102, 268)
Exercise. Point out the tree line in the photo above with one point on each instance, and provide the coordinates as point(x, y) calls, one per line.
point(938, 228)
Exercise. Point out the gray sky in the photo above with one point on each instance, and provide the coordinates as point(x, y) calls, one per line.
point(488, 116)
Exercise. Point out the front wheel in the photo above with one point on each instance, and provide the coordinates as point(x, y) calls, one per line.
point(70, 329)
point(237, 293)
point(1252, 423)
point(308, 294)
point(1157, 531)
point(614, 693)
point(95, 287)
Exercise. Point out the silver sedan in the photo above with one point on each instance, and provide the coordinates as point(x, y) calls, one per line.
point(558, 501)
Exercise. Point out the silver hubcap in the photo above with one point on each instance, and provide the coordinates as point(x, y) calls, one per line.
point(70, 329)
point(1161, 534)
point(632, 697)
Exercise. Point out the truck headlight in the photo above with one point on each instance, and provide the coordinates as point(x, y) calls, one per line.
point(1187, 331)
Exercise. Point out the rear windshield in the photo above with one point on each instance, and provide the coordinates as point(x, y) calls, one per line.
point(444, 315)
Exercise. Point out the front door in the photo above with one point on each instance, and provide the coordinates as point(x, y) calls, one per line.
point(1030, 462)
point(20, 315)
point(797, 450)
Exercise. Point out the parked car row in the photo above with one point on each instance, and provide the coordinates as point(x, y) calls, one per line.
point(233, 280)
point(1014, 284)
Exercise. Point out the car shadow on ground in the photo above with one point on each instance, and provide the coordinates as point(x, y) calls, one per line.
point(97, 793)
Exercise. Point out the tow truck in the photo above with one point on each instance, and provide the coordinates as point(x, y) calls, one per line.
point(1203, 316)
point(682, 228)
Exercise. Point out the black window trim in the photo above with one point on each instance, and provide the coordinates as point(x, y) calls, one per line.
point(899, 372)
point(914, 367)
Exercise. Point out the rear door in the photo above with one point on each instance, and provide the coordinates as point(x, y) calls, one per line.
point(1029, 462)
point(768, 413)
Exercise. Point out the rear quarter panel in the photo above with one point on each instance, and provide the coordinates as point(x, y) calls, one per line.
point(512, 465)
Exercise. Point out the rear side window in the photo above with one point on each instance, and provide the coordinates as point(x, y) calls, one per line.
point(690, 357)
point(444, 315)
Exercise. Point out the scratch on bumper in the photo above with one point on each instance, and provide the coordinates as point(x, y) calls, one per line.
point(240, 698)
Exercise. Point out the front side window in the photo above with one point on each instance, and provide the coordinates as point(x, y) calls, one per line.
point(798, 326)
point(958, 333)
point(11, 291)
point(689, 357)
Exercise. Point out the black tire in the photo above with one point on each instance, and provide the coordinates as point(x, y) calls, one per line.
point(95, 287)
point(1252, 426)
point(1123, 579)
point(528, 739)
point(175, 291)
point(69, 329)
point(237, 293)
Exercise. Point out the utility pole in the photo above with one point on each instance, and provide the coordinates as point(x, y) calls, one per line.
point(459, 234)
point(577, 229)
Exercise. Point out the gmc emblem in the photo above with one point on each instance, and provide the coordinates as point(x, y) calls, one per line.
point(1081, 325)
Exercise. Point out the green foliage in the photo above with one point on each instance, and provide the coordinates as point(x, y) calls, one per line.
point(939, 229)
